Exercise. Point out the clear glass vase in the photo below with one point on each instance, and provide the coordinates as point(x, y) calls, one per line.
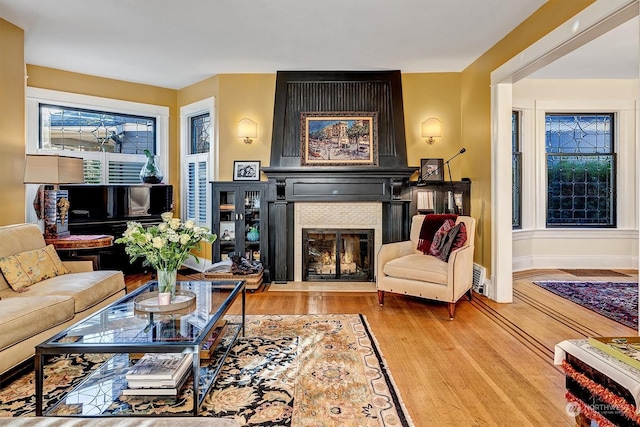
point(166, 285)
point(150, 172)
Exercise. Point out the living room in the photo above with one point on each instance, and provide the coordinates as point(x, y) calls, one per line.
point(461, 100)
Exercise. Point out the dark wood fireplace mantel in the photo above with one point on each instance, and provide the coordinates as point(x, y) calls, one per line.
point(300, 92)
point(287, 187)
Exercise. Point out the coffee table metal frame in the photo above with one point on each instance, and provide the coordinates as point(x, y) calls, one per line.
point(54, 346)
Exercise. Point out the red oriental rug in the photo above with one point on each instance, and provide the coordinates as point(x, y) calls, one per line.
point(616, 300)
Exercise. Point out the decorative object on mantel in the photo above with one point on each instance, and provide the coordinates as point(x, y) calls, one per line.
point(150, 172)
point(431, 170)
point(164, 247)
point(343, 138)
point(246, 170)
point(51, 203)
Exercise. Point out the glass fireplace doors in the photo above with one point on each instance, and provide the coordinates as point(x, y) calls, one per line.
point(337, 254)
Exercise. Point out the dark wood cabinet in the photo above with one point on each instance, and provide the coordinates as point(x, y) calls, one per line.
point(239, 220)
point(441, 197)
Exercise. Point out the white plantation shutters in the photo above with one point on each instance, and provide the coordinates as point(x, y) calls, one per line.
point(197, 187)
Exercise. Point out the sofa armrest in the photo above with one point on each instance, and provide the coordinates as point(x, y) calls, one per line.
point(392, 251)
point(78, 266)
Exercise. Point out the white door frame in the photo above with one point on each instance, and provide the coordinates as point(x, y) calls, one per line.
point(595, 20)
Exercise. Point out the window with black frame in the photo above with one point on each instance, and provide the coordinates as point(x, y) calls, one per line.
point(580, 170)
point(111, 144)
point(516, 171)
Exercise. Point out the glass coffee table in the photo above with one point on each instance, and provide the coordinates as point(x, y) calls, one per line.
point(128, 328)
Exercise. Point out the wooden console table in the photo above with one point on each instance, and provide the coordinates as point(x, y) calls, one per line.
point(70, 245)
point(600, 387)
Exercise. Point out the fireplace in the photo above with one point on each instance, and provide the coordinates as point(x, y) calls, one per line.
point(337, 254)
point(336, 196)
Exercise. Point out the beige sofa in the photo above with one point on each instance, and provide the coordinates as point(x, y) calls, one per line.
point(401, 268)
point(51, 305)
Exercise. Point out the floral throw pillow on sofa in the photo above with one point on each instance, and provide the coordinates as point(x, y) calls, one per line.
point(30, 267)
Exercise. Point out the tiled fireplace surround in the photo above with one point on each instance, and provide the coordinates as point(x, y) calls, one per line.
point(330, 215)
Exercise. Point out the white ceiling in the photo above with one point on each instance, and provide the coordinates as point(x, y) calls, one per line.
point(172, 43)
point(614, 55)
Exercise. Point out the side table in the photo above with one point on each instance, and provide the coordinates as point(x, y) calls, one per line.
point(71, 245)
point(599, 386)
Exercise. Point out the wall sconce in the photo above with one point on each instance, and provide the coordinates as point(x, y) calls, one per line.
point(247, 129)
point(431, 128)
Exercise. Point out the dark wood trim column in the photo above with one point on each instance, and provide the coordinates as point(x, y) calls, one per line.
point(279, 242)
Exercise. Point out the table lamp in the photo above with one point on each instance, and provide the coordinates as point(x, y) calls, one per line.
point(51, 203)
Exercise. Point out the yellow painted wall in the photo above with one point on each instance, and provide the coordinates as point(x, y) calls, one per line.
point(12, 123)
point(427, 95)
point(476, 109)
point(251, 96)
point(53, 79)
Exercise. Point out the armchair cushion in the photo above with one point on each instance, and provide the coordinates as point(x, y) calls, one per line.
point(425, 268)
point(30, 267)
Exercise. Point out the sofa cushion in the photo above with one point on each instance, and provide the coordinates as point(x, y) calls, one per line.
point(420, 267)
point(30, 267)
point(87, 289)
point(25, 316)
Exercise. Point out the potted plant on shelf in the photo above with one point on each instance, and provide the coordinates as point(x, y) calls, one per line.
point(164, 247)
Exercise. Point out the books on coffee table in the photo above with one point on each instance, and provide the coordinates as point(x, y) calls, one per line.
point(158, 374)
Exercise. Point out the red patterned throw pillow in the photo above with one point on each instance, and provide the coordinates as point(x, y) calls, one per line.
point(450, 236)
point(440, 238)
point(430, 224)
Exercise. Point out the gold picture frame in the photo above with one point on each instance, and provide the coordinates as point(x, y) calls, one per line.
point(345, 138)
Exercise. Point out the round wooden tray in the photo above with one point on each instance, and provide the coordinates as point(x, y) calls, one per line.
point(148, 302)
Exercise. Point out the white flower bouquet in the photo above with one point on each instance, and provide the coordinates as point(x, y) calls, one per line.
point(165, 246)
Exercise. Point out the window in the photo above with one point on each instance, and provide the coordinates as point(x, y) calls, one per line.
point(110, 135)
point(580, 170)
point(516, 171)
point(196, 143)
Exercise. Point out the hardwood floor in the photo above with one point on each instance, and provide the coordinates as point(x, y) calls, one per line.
point(491, 366)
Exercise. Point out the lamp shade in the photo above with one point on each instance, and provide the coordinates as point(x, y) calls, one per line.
point(54, 169)
point(431, 128)
point(247, 128)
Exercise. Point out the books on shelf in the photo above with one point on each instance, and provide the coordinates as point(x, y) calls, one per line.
point(158, 374)
point(625, 349)
point(426, 200)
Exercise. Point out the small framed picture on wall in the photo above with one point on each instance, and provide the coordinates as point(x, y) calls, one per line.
point(246, 170)
point(432, 169)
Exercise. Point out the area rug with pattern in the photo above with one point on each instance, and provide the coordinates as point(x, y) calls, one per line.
point(615, 300)
point(289, 370)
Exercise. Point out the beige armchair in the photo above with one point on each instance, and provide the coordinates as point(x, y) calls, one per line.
point(403, 269)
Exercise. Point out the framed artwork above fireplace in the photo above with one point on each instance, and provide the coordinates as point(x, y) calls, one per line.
point(343, 138)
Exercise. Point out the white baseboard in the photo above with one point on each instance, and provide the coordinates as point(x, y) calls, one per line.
point(575, 262)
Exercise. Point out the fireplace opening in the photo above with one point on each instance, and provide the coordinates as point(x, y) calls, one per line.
point(337, 254)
